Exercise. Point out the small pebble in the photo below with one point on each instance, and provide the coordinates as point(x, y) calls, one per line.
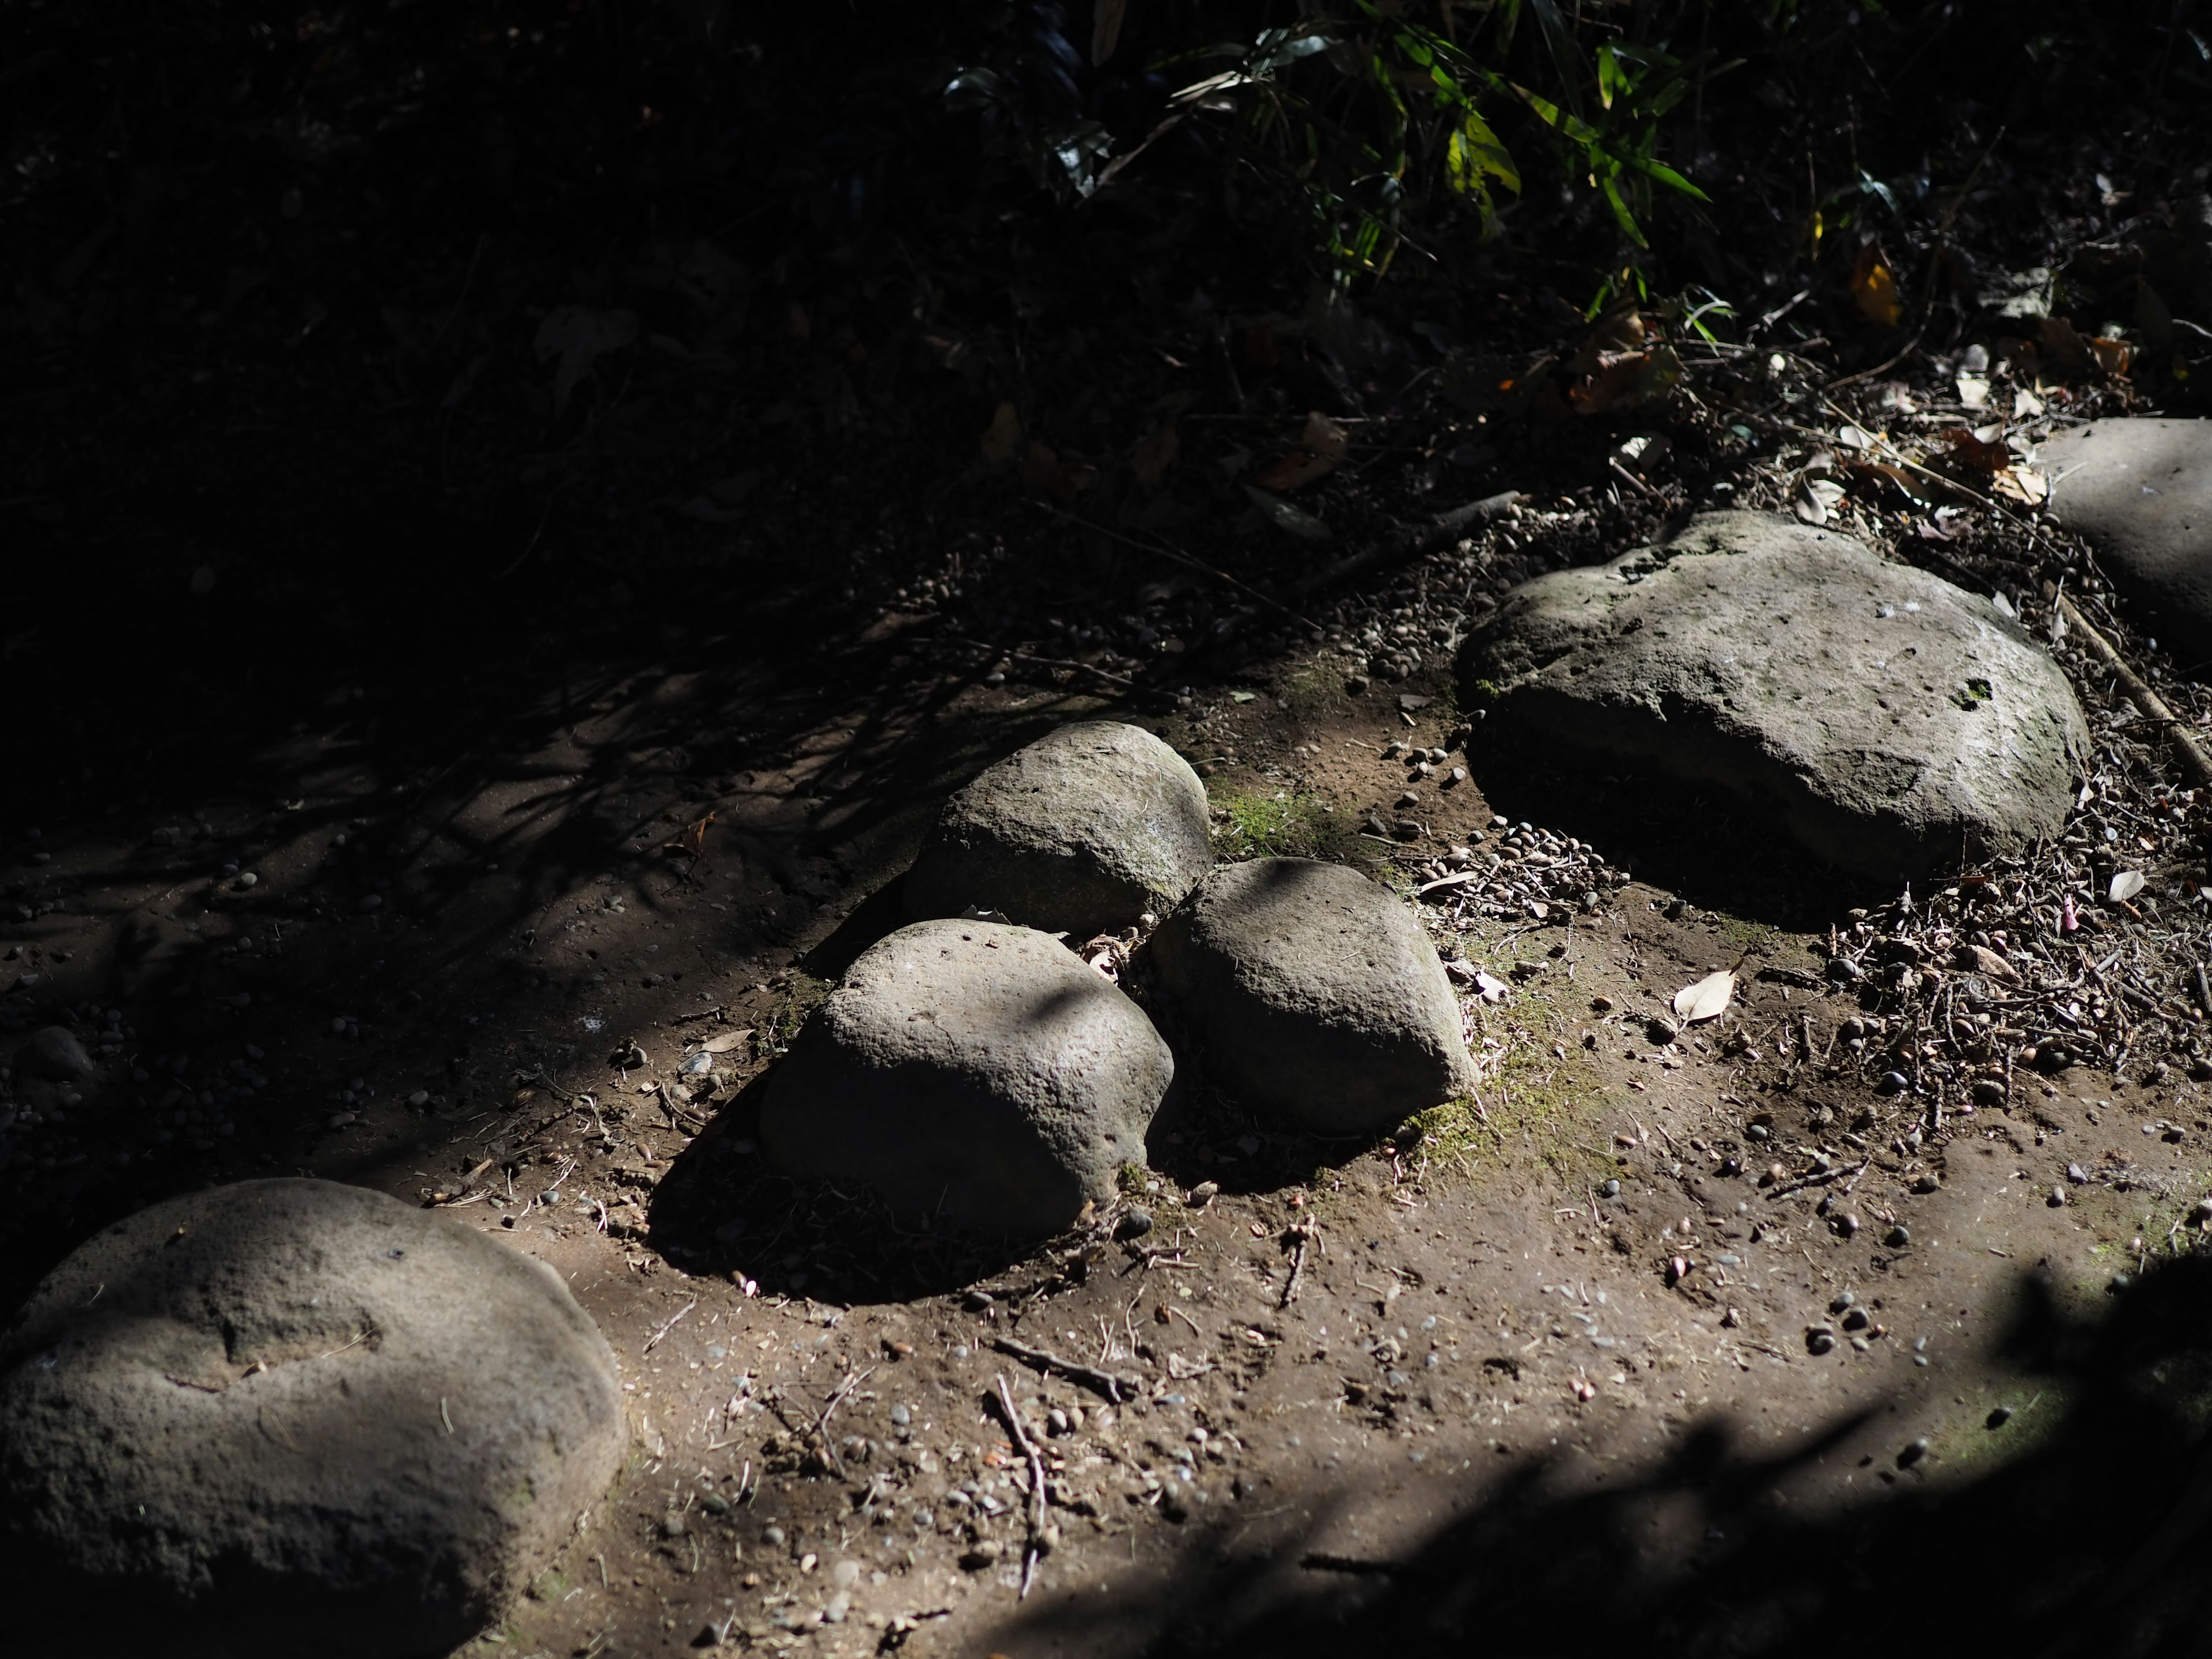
point(1843, 1300)
point(1927, 1183)
point(1998, 1417)
point(372, 902)
point(1820, 1340)
point(1912, 1454)
point(1611, 1189)
point(1135, 1224)
point(772, 1535)
point(2077, 1175)
point(1896, 1238)
point(1893, 1083)
point(901, 1416)
point(1202, 1195)
point(671, 1525)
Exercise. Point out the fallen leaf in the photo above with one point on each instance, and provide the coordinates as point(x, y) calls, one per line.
point(1976, 451)
point(2111, 357)
point(2023, 484)
point(2126, 884)
point(1988, 962)
point(1974, 390)
point(1002, 434)
point(1295, 520)
point(580, 336)
point(1150, 460)
point(1491, 988)
point(1874, 286)
point(1707, 999)
point(1626, 380)
point(1323, 445)
point(1815, 499)
point(726, 1040)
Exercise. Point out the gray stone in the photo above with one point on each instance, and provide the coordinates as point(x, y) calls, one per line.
point(296, 1418)
point(973, 1073)
point(1889, 720)
point(54, 1052)
point(2142, 490)
point(1083, 832)
point(1316, 995)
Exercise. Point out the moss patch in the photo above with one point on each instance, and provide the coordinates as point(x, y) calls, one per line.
point(1282, 825)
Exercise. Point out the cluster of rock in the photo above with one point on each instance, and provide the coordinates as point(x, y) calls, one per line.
point(295, 1417)
point(980, 1074)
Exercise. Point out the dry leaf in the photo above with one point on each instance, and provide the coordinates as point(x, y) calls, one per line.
point(1491, 988)
point(1988, 962)
point(2111, 357)
point(2023, 484)
point(1323, 445)
point(1296, 520)
point(1151, 459)
point(1003, 434)
point(1707, 999)
point(1977, 452)
point(726, 1040)
point(2126, 884)
point(1974, 390)
point(1874, 286)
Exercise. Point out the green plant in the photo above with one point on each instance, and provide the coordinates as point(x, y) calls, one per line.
point(1366, 146)
point(1282, 825)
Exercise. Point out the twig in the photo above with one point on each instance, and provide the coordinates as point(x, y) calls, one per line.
point(1115, 1388)
point(1181, 558)
point(1048, 662)
point(1298, 1237)
point(1028, 1447)
point(653, 1340)
point(822, 1423)
point(2186, 749)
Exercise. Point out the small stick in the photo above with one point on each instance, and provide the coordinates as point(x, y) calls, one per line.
point(1028, 1447)
point(2193, 759)
point(1298, 1236)
point(653, 1340)
point(1115, 1388)
point(822, 1423)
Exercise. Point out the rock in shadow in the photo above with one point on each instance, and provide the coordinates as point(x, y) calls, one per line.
point(723, 1208)
point(2069, 1523)
point(876, 917)
point(1699, 841)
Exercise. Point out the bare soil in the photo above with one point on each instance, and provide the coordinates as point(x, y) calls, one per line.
point(1336, 1375)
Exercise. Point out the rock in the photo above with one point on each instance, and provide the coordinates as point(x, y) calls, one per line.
point(1886, 719)
point(54, 1053)
point(2141, 489)
point(290, 1418)
point(1082, 832)
point(1315, 994)
point(973, 1073)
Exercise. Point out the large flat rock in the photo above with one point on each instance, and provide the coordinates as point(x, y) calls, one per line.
point(1886, 719)
point(978, 1075)
point(1083, 832)
point(294, 1418)
point(2141, 489)
point(1315, 994)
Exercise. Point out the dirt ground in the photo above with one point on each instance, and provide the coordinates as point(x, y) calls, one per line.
point(1706, 1293)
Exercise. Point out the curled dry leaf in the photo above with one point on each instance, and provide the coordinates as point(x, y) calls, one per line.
point(1707, 999)
point(1323, 445)
point(1295, 520)
point(1491, 988)
point(1004, 432)
point(1874, 286)
point(724, 1042)
point(2126, 884)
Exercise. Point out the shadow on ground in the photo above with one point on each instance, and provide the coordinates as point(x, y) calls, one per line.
point(2075, 1526)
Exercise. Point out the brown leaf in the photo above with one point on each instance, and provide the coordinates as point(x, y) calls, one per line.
point(1004, 432)
point(1152, 457)
point(1990, 458)
point(1323, 445)
point(1624, 381)
point(1618, 332)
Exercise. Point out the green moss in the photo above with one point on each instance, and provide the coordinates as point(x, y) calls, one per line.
point(1282, 825)
point(1130, 1180)
point(805, 995)
point(1485, 691)
point(1315, 688)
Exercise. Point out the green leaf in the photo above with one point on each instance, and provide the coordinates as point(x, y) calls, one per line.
point(1611, 78)
point(1474, 152)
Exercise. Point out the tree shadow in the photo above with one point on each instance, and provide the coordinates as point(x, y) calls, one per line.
point(2068, 1523)
point(1702, 841)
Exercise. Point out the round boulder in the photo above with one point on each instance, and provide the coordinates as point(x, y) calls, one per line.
point(974, 1073)
point(296, 1418)
point(1082, 832)
point(54, 1052)
point(1315, 994)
